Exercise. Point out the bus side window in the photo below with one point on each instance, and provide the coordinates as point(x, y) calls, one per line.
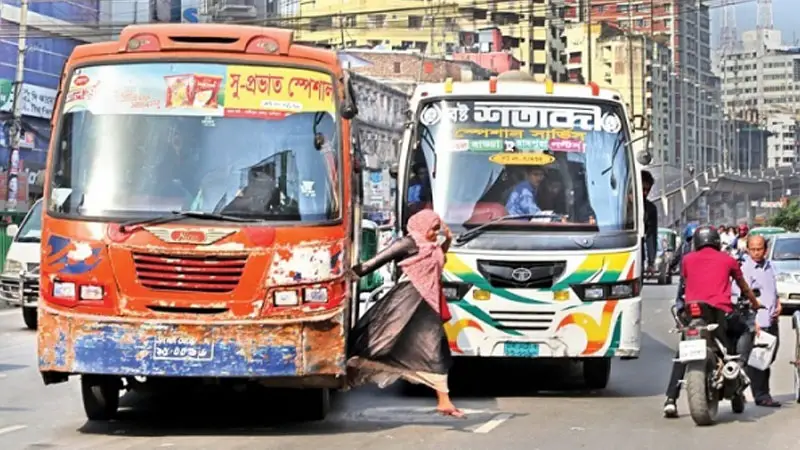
point(419, 195)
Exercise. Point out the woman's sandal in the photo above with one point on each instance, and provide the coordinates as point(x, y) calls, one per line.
point(454, 412)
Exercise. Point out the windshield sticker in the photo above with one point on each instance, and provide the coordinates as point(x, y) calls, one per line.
point(501, 133)
point(432, 114)
point(522, 159)
point(541, 140)
point(205, 90)
point(260, 91)
point(611, 123)
point(567, 145)
point(579, 117)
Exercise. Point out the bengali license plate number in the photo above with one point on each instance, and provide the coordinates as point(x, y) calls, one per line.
point(521, 349)
point(183, 348)
point(692, 350)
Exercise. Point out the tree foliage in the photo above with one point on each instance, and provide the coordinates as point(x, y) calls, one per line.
point(787, 217)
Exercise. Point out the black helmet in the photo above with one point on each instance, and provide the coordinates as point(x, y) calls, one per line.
point(706, 236)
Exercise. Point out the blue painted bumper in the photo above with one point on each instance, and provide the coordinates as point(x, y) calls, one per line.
point(75, 344)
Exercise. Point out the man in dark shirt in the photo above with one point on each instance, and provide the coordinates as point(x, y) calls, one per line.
point(650, 221)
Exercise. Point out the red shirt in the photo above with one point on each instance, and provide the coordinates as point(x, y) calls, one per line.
point(707, 276)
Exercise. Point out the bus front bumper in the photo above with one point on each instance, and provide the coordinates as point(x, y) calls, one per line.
point(312, 349)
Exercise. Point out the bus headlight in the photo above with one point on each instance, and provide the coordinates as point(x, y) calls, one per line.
point(286, 298)
point(621, 290)
point(64, 290)
point(89, 292)
point(13, 267)
point(606, 291)
point(316, 295)
point(594, 293)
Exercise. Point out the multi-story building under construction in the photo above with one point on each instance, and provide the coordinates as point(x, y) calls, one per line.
point(684, 26)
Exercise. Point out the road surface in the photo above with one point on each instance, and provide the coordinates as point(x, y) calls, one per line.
point(507, 411)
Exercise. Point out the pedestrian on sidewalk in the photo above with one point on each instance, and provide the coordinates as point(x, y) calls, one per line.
point(759, 274)
point(402, 335)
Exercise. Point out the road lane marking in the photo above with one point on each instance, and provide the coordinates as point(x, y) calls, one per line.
point(493, 423)
point(12, 429)
point(9, 313)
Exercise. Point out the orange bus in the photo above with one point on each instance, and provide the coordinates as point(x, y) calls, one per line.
point(202, 210)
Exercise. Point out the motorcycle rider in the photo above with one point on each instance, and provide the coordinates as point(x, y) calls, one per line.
point(739, 243)
point(707, 274)
point(678, 368)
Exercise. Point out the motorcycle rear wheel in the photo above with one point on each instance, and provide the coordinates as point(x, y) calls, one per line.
point(703, 401)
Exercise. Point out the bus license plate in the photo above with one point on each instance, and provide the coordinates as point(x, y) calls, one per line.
point(183, 348)
point(521, 349)
point(692, 350)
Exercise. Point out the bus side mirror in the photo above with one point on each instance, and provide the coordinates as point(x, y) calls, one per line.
point(349, 106)
point(12, 230)
point(644, 157)
point(393, 171)
point(639, 122)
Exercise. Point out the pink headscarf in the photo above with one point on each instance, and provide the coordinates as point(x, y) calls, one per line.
point(424, 269)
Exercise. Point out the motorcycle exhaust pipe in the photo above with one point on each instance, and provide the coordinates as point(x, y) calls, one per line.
point(731, 370)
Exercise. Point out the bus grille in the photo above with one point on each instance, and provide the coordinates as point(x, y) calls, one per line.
point(189, 273)
point(523, 320)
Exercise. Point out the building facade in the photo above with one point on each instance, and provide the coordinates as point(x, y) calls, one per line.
point(53, 30)
point(488, 50)
point(685, 27)
point(380, 123)
point(782, 143)
point(761, 77)
point(635, 66)
point(532, 30)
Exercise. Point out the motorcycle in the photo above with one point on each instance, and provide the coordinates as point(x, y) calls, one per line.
point(712, 374)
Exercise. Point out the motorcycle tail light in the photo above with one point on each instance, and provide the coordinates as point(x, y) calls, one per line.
point(695, 310)
point(692, 332)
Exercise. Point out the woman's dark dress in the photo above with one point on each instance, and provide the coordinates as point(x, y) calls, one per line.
point(401, 330)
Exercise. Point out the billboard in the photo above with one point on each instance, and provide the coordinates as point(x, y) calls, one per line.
point(175, 11)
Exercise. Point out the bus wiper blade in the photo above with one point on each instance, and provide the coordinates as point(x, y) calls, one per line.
point(178, 215)
point(466, 236)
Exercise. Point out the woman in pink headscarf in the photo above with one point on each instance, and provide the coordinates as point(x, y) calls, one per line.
point(402, 335)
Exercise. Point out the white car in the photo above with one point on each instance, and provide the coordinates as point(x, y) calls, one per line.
point(784, 255)
point(19, 281)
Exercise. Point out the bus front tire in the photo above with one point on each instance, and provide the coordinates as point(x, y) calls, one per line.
point(315, 403)
point(29, 316)
point(100, 397)
point(596, 372)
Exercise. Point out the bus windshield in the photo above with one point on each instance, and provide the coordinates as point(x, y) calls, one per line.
point(31, 228)
point(138, 140)
point(566, 164)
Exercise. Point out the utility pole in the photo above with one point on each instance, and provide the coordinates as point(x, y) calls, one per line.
point(16, 125)
point(698, 98)
point(341, 28)
point(530, 37)
point(589, 36)
point(630, 56)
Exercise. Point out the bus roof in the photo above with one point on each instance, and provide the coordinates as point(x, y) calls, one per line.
point(519, 88)
point(207, 37)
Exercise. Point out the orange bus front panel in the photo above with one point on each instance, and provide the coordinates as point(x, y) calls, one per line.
point(77, 343)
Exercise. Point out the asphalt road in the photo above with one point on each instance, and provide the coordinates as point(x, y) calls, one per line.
point(510, 408)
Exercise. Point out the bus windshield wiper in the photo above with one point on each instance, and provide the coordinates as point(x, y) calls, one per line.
point(466, 236)
point(178, 215)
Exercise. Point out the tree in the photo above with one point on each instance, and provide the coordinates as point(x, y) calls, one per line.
point(788, 217)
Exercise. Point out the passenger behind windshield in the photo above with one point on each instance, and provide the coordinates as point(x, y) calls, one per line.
point(523, 197)
point(419, 188)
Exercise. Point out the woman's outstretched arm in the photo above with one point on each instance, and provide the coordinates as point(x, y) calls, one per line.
point(400, 249)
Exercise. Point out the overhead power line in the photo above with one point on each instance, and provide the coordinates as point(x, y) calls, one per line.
point(304, 23)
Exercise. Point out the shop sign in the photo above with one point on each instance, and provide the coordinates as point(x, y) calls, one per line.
point(37, 101)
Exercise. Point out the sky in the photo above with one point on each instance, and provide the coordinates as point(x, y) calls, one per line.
point(784, 14)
